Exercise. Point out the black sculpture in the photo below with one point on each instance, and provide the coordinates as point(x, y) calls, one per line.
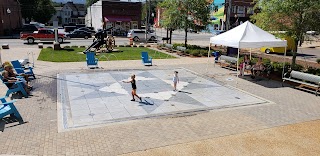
point(99, 40)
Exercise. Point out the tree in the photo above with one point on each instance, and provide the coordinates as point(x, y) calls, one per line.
point(90, 2)
point(39, 10)
point(185, 14)
point(44, 11)
point(295, 17)
point(27, 9)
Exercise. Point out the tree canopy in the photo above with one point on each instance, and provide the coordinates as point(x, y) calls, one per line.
point(90, 2)
point(295, 17)
point(185, 14)
point(39, 10)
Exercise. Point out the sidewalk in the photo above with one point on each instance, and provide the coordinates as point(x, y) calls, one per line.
point(277, 128)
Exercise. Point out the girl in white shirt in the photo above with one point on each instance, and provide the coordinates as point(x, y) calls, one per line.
point(175, 80)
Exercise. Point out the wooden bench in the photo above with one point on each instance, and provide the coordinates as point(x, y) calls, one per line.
point(305, 80)
point(228, 62)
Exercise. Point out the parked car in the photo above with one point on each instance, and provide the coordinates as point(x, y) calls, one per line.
point(30, 28)
point(290, 46)
point(218, 32)
point(313, 33)
point(87, 30)
point(42, 34)
point(193, 31)
point(140, 34)
point(79, 34)
point(69, 28)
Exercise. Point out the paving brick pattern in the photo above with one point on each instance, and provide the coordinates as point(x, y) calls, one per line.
point(39, 135)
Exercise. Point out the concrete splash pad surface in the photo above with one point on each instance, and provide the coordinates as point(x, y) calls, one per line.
point(90, 99)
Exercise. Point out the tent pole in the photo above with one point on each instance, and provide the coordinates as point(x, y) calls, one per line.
point(250, 54)
point(284, 61)
point(208, 58)
point(238, 64)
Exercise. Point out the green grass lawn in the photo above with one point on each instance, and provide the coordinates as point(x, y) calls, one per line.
point(76, 55)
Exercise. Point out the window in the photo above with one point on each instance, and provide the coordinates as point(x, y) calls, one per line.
point(234, 9)
point(240, 9)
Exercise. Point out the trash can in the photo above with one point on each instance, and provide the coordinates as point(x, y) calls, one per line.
point(216, 55)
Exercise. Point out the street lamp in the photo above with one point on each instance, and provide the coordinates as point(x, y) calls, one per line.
point(9, 13)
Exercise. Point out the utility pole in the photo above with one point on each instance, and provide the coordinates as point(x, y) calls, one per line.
point(228, 15)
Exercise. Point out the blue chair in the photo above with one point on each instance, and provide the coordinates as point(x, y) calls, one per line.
point(8, 108)
point(20, 70)
point(91, 60)
point(16, 87)
point(146, 60)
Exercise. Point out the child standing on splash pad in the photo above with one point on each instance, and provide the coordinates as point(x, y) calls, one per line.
point(134, 87)
point(175, 80)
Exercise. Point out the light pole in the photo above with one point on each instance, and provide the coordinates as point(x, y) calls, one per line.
point(9, 12)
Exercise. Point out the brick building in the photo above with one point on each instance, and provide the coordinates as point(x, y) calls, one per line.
point(241, 9)
point(10, 16)
point(120, 15)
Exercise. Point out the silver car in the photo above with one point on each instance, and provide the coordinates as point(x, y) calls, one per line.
point(140, 34)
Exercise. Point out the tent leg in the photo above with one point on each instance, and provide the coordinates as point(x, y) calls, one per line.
point(238, 64)
point(208, 59)
point(284, 61)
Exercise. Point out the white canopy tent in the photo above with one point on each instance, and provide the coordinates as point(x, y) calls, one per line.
point(246, 35)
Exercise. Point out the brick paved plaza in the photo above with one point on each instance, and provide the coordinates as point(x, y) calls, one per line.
point(47, 132)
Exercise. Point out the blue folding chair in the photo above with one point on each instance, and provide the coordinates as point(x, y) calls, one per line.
point(18, 86)
point(20, 70)
point(92, 62)
point(8, 108)
point(146, 60)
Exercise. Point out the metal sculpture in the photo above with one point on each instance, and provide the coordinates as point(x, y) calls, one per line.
point(99, 41)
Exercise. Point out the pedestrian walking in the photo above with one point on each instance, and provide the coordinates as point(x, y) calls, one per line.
point(134, 87)
point(175, 80)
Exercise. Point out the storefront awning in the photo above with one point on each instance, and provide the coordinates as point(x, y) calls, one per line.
point(117, 19)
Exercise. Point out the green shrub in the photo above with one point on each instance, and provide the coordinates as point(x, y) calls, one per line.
point(318, 60)
point(174, 45)
point(195, 53)
point(74, 46)
point(313, 71)
point(49, 47)
point(66, 47)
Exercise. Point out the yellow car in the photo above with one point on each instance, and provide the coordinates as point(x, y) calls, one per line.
point(290, 46)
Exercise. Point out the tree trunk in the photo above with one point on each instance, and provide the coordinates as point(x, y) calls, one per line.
point(170, 35)
point(167, 35)
point(185, 37)
point(294, 53)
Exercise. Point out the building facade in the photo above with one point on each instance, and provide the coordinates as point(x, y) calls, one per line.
point(241, 10)
point(10, 16)
point(70, 13)
point(120, 15)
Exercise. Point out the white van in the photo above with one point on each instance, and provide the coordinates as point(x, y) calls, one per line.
point(140, 34)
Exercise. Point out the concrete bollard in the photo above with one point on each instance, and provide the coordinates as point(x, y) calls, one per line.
point(40, 45)
point(5, 46)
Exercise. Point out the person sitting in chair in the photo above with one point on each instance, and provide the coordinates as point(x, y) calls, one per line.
point(257, 68)
point(10, 77)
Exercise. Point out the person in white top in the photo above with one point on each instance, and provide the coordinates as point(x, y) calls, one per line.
point(175, 80)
